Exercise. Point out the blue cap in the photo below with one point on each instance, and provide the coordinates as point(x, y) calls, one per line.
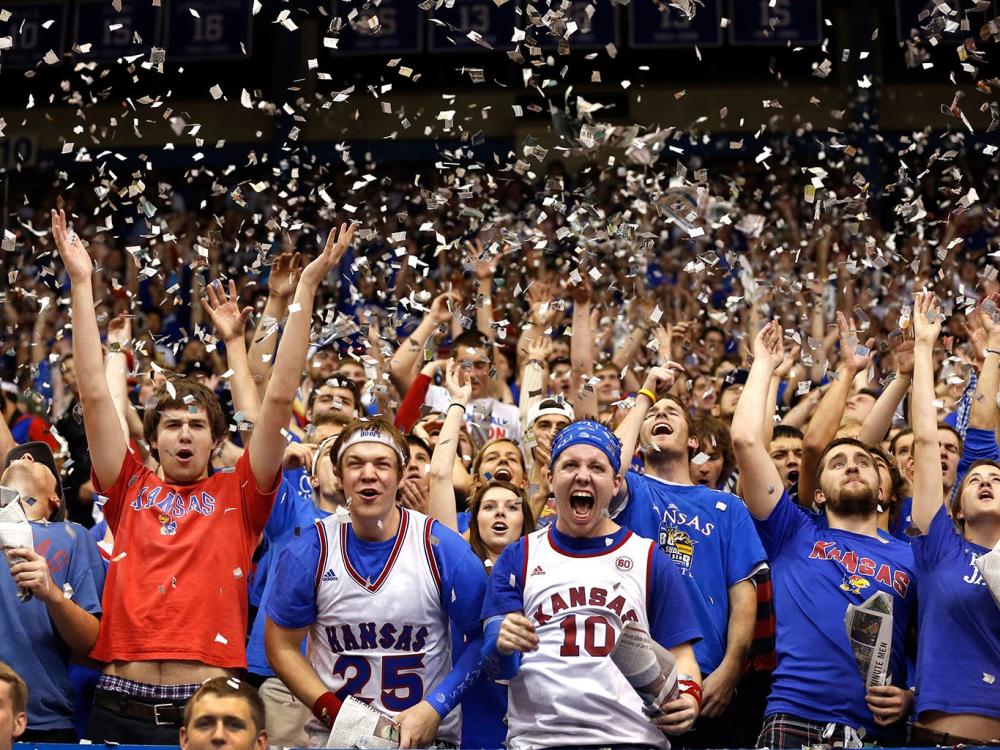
point(587, 432)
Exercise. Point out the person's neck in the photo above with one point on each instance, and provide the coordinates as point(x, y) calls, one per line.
point(605, 528)
point(867, 525)
point(36, 511)
point(670, 467)
point(377, 529)
point(331, 502)
point(985, 532)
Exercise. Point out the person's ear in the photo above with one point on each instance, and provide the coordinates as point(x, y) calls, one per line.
point(819, 498)
point(20, 724)
point(183, 738)
point(716, 411)
point(261, 742)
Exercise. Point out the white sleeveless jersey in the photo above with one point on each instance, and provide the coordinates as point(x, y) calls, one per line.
point(569, 692)
point(385, 641)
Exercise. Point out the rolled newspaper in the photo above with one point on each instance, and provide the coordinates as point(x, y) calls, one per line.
point(869, 630)
point(648, 667)
point(359, 725)
point(15, 532)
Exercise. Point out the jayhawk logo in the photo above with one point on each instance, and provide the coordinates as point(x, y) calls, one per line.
point(168, 527)
point(680, 546)
point(854, 584)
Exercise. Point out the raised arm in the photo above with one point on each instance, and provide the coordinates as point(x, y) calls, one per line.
point(790, 358)
point(231, 324)
point(534, 374)
point(758, 476)
point(879, 420)
point(581, 351)
point(267, 444)
point(928, 484)
point(100, 418)
point(409, 353)
point(825, 422)
point(116, 367)
point(281, 283)
point(983, 415)
point(658, 382)
point(486, 267)
point(442, 494)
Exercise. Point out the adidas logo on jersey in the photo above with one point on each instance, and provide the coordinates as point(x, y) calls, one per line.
point(538, 571)
point(330, 575)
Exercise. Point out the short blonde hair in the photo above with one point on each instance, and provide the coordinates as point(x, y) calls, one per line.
point(18, 688)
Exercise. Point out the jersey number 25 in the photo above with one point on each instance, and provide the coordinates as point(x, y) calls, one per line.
point(402, 684)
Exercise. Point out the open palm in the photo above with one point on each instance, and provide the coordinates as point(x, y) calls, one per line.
point(74, 255)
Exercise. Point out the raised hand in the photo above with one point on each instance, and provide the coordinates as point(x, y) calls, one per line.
point(790, 358)
point(486, 262)
point(540, 349)
point(284, 276)
point(927, 318)
point(336, 245)
point(229, 320)
point(443, 307)
point(582, 290)
point(903, 347)
point(853, 355)
point(989, 316)
point(538, 294)
point(458, 383)
point(768, 346)
point(74, 255)
point(120, 331)
point(662, 379)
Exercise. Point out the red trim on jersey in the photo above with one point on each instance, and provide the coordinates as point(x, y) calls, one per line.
point(649, 573)
point(404, 521)
point(321, 563)
point(431, 560)
point(608, 551)
point(524, 566)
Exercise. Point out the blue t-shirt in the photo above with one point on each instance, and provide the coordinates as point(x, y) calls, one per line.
point(292, 508)
point(711, 538)
point(904, 520)
point(291, 602)
point(671, 621)
point(29, 641)
point(958, 626)
point(818, 571)
point(978, 445)
point(293, 516)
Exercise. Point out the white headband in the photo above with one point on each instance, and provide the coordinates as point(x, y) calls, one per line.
point(371, 435)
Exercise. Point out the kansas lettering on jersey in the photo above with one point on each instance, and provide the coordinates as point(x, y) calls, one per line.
point(860, 571)
point(384, 641)
point(578, 626)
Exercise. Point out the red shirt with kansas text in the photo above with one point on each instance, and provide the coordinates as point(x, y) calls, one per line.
point(177, 583)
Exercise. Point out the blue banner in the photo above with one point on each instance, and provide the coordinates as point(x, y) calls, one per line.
point(653, 24)
point(797, 22)
point(450, 28)
point(209, 29)
point(391, 27)
point(113, 34)
point(34, 30)
point(597, 24)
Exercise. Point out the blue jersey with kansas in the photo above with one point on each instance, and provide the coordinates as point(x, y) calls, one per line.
point(294, 513)
point(29, 641)
point(817, 572)
point(958, 659)
point(711, 539)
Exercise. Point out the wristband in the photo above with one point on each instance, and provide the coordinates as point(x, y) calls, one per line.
point(327, 706)
point(648, 394)
point(536, 362)
point(692, 688)
point(460, 406)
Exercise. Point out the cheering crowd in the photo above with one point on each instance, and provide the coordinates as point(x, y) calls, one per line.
point(440, 472)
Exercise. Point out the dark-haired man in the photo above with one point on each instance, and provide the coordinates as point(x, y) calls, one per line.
point(820, 566)
point(183, 542)
point(786, 453)
point(708, 534)
point(225, 714)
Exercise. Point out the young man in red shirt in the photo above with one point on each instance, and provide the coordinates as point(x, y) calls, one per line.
point(175, 601)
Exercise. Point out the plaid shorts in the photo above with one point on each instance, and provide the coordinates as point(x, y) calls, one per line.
point(142, 691)
point(793, 732)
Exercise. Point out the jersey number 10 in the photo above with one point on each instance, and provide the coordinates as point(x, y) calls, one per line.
point(591, 626)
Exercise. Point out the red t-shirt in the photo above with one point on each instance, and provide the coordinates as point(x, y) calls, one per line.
point(177, 582)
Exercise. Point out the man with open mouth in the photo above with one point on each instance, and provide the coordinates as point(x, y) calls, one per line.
point(559, 599)
point(375, 592)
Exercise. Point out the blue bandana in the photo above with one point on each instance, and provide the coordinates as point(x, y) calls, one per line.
point(588, 433)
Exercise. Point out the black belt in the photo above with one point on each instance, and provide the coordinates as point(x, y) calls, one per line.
point(931, 737)
point(165, 714)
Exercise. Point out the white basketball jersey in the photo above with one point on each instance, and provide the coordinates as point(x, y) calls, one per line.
point(569, 692)
point(385, 641)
